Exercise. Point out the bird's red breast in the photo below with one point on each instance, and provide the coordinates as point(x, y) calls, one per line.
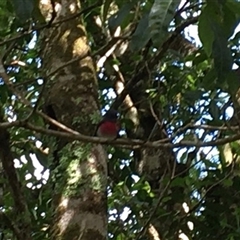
point(108, 129)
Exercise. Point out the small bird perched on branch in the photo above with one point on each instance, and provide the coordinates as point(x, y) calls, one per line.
point(109, 126)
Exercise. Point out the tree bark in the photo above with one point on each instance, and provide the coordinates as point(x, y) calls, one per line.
point(79, 171)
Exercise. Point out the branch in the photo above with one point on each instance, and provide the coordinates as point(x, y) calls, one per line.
point(191, 7)
point(197, 205)
point(8, 223)
point(143, 70)
point(157, 205)
point(191, 125)
point(47, 25)
point(16, 187)
point(121, 142)
point(72, 134)
point(28, 104)
point(54, 13)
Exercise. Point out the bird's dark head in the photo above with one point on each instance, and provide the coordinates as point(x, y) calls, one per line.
point(111, 115)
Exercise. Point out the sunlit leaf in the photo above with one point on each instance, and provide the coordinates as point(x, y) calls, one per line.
point(160, 16)
point(105, 8)
point(118, 18)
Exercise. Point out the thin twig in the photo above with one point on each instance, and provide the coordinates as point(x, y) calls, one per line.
point(139, 235)
point(196, 206)
point(54, 13)
point(157, 123)
point(38, 28)
point(72, 134)
point(28, 104)
point(141, 71)
point(16, 186)
point(8, 50)
point(191, 6)
point(182, 8)
point(69, 133)
point(21, 97)
point(10, 224)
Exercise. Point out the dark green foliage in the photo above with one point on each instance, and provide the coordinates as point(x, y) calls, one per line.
point(185, 90)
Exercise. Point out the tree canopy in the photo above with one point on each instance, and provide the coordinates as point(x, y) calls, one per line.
point(171, 70)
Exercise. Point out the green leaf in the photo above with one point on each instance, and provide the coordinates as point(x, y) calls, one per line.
point(214, 110)
point(227, 182)
point(216, 24)
point(23, 9)
point(234, 6)
point(42, 158)
point(178, 182)
point(221, 53)
point(104, 9)
point(209, 81)
point(200, 57)
point(192, 96)
point(36, 13)
point(205, 32)
point(210, 164)
point(117, 19)
point(141, 36)
point(235, 147)
point(142, 195)
point(121, 236)
point(233, 82)
point(30, 166)
point(161, 14)
point(230, 21)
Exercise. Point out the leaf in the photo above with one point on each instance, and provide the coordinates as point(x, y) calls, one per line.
point(192, 96)
point(129, 181)
point(210, 164)
point(178, 182)
point(233, 82)
point(42, 158)
point(30, 166)
point(142, 195)
point(230, 21)
point(200, 57)
point(235, 147)
point(209, 81)
point(117, 19)
point(141, 35)
point(205, 32)
point(104, 9)
point(124, 172)
point(214, 24)
point(36, 13)
point(214, 110)
point(222, 55)
point(121, 236)
point(161, 14)
point(23, 9)
point(4, 94)
point(234, 6)
point(227, 182)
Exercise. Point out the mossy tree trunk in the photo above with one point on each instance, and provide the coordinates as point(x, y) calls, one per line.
point(78, 171)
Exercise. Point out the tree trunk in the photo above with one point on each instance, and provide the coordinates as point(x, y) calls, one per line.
point(78, 171)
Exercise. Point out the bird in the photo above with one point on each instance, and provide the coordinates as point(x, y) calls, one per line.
point(109, 126)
